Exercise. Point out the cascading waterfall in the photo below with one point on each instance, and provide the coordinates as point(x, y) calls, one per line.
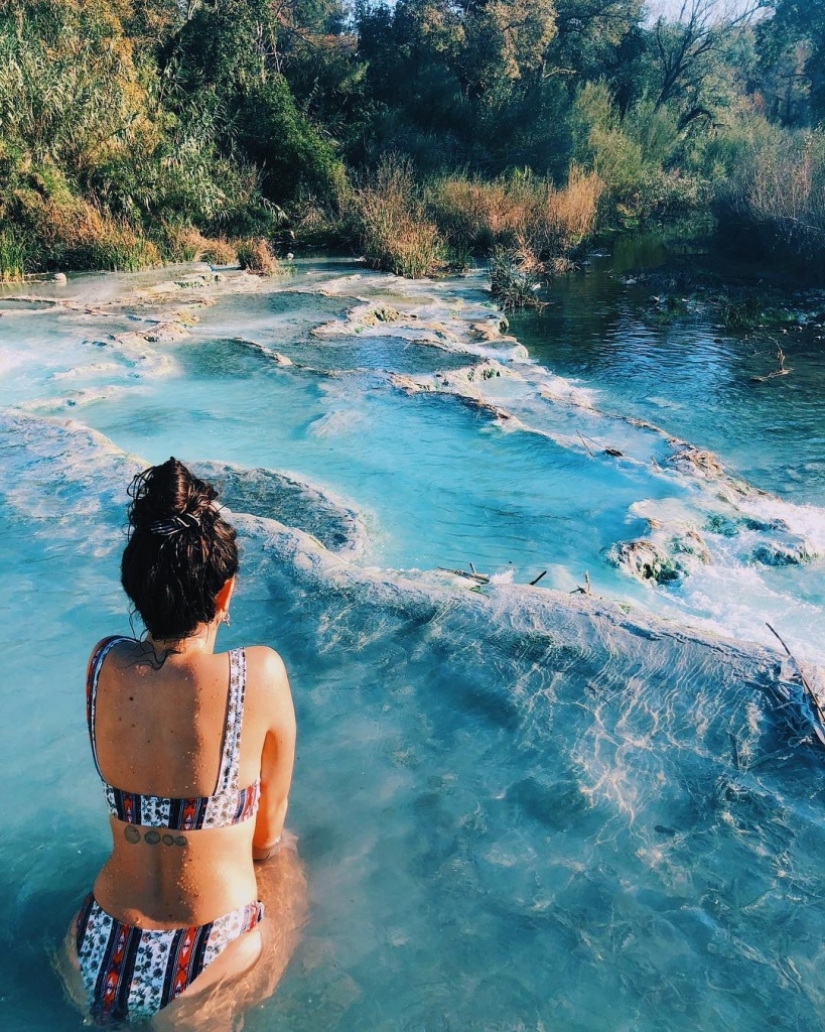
point(590, 804)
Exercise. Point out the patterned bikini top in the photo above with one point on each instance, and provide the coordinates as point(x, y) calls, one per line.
point(229, 804)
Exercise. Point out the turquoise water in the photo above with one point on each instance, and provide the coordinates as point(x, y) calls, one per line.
point(520, 807)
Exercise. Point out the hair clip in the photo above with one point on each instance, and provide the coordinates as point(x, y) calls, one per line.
point(186, 521)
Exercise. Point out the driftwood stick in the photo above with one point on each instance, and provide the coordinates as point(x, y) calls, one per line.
point(537, 579)
point(805, 682)
point(586, 588)
point(781, 371)
point(735, 750)
point(480, 578)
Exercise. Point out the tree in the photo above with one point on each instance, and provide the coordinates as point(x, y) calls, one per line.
point(231, 55)
point(501, 43)
point(795, 38)
point(590, 35)
point(683, 51)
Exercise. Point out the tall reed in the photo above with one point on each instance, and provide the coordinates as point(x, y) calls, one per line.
point(13, 256)
point(523, 211)
point(777, 190)
point(395, 232)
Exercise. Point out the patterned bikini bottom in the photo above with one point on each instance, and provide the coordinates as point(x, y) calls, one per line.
point(133, 972)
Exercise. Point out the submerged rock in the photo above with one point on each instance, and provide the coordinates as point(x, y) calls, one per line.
point(689, 459)
point(730, 526)
point(382, 314)
point(646, 561)
point(659, 561)
point(783, 553)
point(490, 329)
point(253, 345)
point(272, 495)
point(691, 544)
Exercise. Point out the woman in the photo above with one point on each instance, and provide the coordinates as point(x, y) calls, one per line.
point(195, 749)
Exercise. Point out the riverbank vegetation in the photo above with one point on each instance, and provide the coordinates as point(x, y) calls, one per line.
point(420, 132)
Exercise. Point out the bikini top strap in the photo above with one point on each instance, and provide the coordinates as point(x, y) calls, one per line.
point(229, 774)
point(92, 679)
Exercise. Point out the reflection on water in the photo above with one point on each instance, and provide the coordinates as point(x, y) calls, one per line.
point(690, 376)
point(518, 808)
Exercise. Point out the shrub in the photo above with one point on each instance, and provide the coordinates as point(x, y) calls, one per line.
point(219, 252)
point(255, 256)
point(292, 152)
point(523, 211)
point(182, 243)
point(777, 192)
point(559, 220)
point(646, 162)
point(89, 125)
point(72, 233)
point(471, 211)
point(395, 233)
point(515, 279)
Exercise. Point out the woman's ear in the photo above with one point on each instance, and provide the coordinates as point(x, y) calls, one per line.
point(224, 595)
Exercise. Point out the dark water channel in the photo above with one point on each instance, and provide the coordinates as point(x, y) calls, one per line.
point(627, 325)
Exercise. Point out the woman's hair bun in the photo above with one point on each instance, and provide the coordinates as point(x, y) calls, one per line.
point(162, 493)
point(180, 552)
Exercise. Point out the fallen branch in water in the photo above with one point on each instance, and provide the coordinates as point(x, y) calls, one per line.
point(480, 578)
point(587, 446)
point(820, 714)
point(583, 590)
point(781, 371)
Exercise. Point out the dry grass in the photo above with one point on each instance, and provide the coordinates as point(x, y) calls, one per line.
point(474, 211)
point(72, 233)
point(13, 255)
point(531, 225)
point(219, 251)
point(787, 192)
point(526, 213)
point(255, 256)
point(396, 234)
point(187, 244)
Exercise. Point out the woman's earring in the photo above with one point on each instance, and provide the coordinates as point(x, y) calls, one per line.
point(225, 617)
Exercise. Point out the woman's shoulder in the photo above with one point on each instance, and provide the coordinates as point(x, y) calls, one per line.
point(265, 663)
point(267, 683)
point(105, 646)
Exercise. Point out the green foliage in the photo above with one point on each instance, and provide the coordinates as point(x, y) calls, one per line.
point(648, 163)
point(14, 256)
point(135, 131)
point(279, 139)
point(91, 160)
point(798, 32)
point(501, 43)
point(230, 54)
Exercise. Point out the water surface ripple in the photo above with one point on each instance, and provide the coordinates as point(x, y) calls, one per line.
point(520, 807)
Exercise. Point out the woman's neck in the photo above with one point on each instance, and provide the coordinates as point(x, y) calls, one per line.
point(200, 642)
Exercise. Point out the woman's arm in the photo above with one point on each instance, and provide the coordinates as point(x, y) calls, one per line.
point(277, 758)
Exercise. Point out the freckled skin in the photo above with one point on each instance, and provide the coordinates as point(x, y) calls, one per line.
point(171, 747)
